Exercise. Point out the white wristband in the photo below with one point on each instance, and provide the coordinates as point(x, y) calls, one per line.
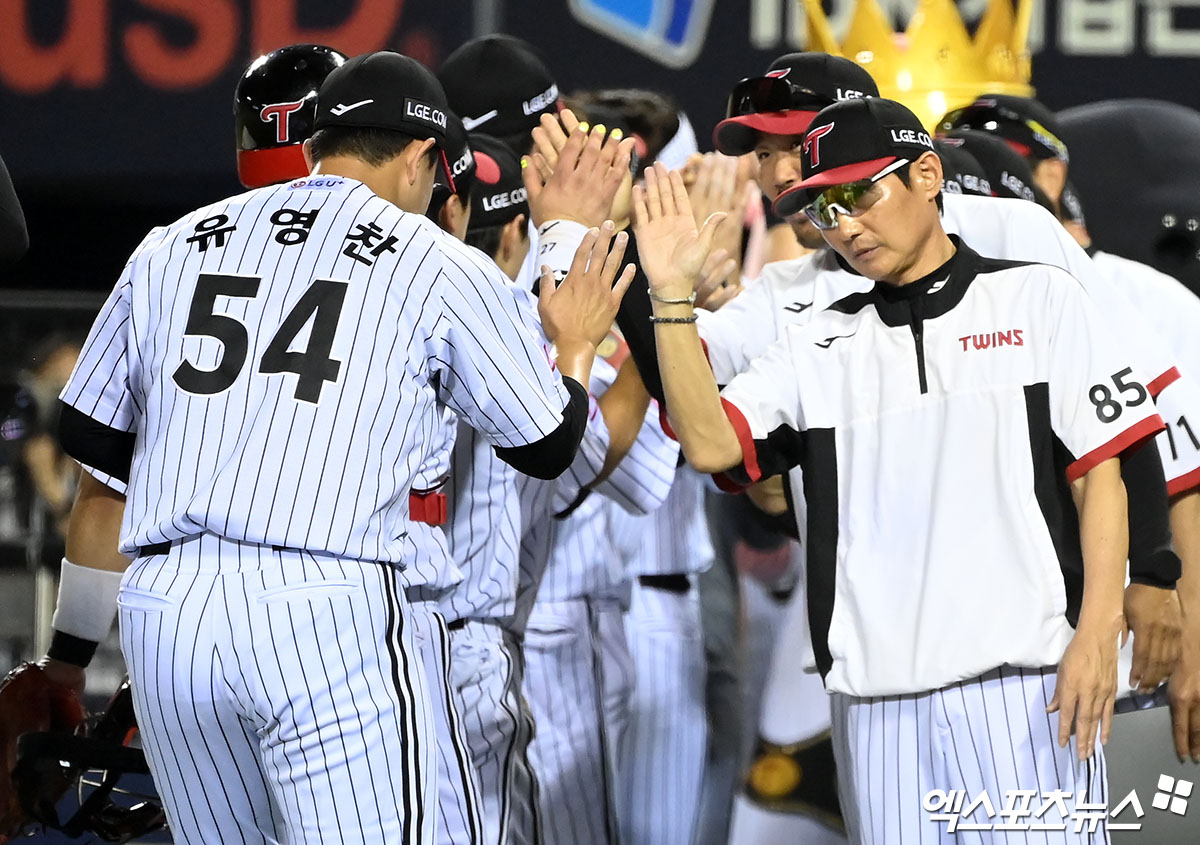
point(556, 245)
point(87, 601)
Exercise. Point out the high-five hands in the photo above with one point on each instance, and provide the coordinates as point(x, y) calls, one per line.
point(673, 254)
point(582, 307)
point(574, 174)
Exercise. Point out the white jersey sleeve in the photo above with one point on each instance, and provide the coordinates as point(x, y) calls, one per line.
point(1099, 404)
point(489, 361)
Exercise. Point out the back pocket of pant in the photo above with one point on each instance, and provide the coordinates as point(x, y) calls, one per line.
point(309, 591)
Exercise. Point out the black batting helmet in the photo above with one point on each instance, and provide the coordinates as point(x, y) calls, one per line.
point(117, 802)
point(274, 107)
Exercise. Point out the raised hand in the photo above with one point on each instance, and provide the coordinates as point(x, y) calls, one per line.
point(585, 177)
point(583, 306)
point(672, 252)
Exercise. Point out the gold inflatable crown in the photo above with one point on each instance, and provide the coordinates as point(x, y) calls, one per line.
point(934, 65)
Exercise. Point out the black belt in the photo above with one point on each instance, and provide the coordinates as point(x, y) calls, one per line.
point(456, 625)
point(165, 548)
point(671, 583)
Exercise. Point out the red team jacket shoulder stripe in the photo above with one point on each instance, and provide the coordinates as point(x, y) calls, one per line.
point(1184, 483)
point(742, 429)
point(1159, 384)
point(1130, 437)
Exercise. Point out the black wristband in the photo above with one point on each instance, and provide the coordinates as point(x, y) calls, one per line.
point(71, 649)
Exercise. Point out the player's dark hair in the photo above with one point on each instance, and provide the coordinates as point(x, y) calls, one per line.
point(376, 147)
point(486, 239)
point(902, 175)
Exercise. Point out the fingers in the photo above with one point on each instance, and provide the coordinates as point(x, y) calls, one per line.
point(568, 155)
point(583, 254)
point(612, 262)
point(543, 145)
point(1106, 714)
point(623, 283)
point(553, 132)
point(1141, 658)
point(532, 177)
point(596, 153)
point(617, 169)
point(546, 287)
point(653, 191)
point(679, 194)
point(640, 214)
point(709, 230)
point(568, 120)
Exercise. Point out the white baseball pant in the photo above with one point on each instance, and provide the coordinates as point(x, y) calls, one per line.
point(279, 695)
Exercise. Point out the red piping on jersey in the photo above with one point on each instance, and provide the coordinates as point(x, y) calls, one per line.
point(1130, 437)
point(1184, 483)
point(1159, 384)
point(742, 429)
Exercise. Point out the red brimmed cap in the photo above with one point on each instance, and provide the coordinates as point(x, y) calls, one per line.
point(785, 99)
point(851, 141)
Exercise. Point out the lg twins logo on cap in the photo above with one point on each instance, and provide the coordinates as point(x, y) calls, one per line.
point(778, 74)
point(812, 143)
point(462, 163)
point(536, 104)
point(911, 136)
point(424, 112)
point(851, 94)
point(504, 199)
point(279, 112)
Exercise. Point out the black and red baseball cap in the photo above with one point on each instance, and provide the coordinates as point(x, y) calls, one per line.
point(499, 193)
point(1026, 125)
point(787, 97)
point(460, 178)
point(274, 107)
point(852, 141)
point(386, 90)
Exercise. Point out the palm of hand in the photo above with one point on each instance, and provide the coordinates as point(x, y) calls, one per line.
point(670, 251)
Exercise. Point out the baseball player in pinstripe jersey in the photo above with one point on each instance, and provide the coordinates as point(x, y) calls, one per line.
point(486, 519)
point(262, 618)
point(668, 729)
point(274, 110)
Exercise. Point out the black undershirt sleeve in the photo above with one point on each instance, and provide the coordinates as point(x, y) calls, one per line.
point(633, 318)
point(549, 457)
point(95, 444)
point(1151, 559)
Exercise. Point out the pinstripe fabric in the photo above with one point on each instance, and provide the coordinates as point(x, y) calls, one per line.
point(578, 683)
point(429, 567)
point(989, 733)
point(668, 721)
point(458, 801)
point(428, 323)
point(486, 672)
point(276, 697)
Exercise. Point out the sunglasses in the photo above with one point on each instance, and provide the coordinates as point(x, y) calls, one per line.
point(759, 94)
point(986, 117)
point(850, 199)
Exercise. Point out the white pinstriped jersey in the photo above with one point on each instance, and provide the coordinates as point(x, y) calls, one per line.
point(495, 511)
point(573, 557)
point(673, 539)
point(282, 356)
point(426, 554)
